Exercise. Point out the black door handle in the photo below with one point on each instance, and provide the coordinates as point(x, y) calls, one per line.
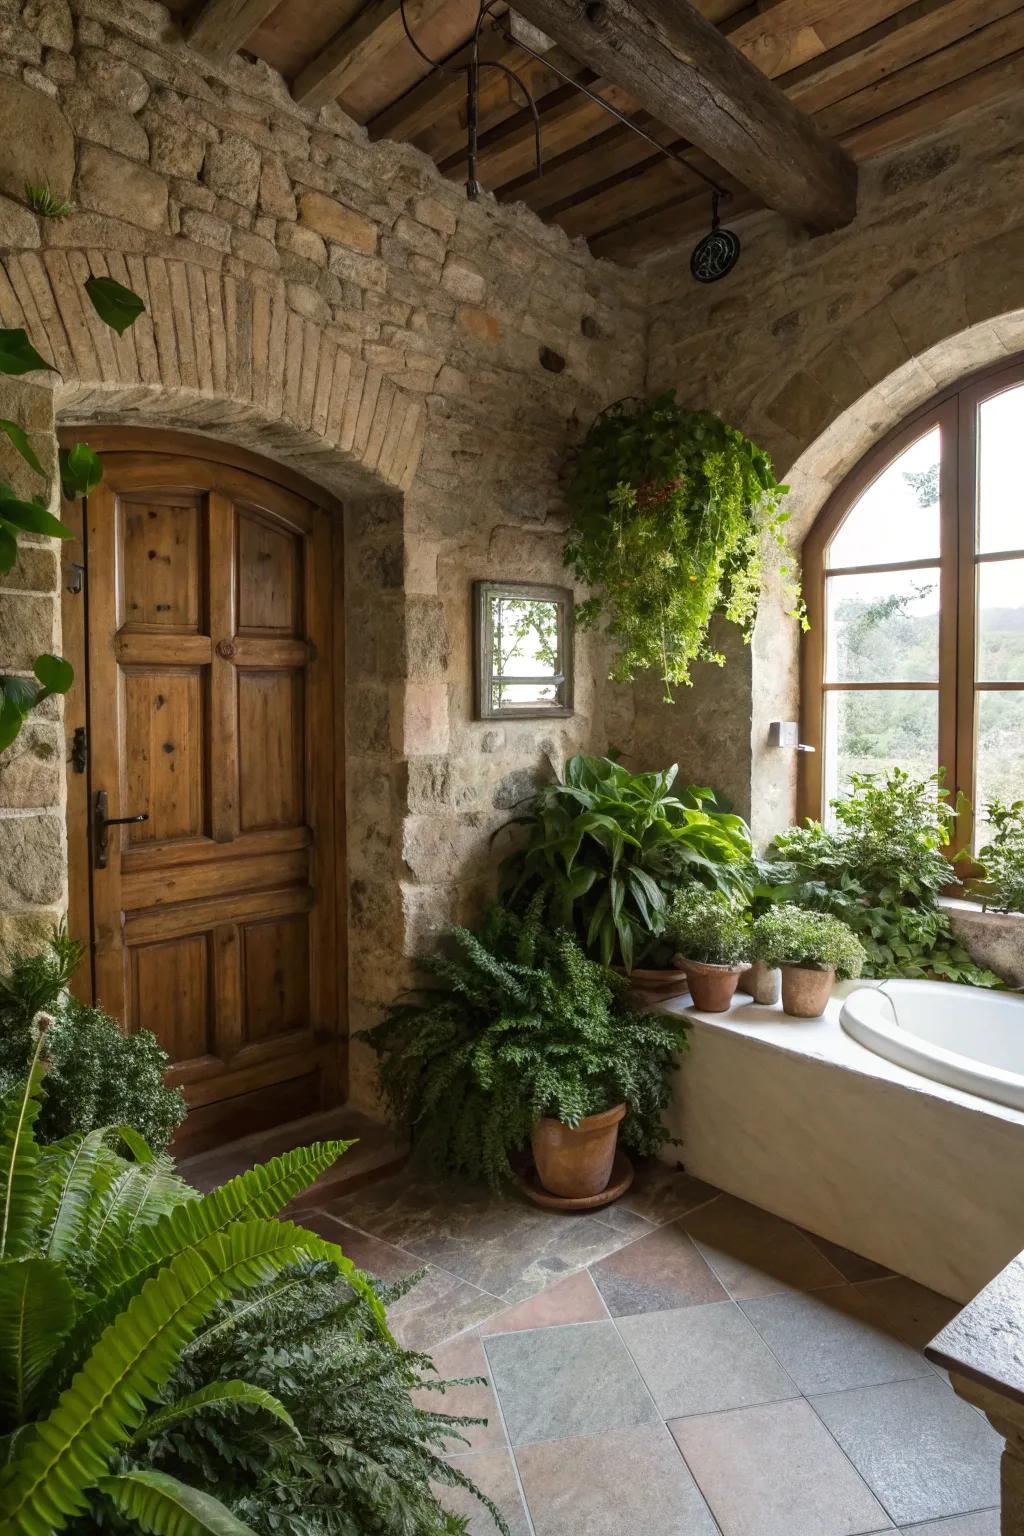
point(100, 823)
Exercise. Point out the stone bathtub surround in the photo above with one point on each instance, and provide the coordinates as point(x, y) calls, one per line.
point(339, 307)
point(796, 1117)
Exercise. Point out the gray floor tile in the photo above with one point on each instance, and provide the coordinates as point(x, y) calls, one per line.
point(925, 1453)
point(906, 1310)
point(828, 1342)
point(660, 1271)
point(463, 1358)
point(776, 1471)
point(559, 1382)
point(660, 1193)
point(703, 1359)
point(852, 1266)
point(495, 1476)
point(754, 1253)
point(984, 1524)
point(623, 1481)
point(438, 1307)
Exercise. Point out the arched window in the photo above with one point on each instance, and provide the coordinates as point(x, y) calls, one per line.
point(914, 577)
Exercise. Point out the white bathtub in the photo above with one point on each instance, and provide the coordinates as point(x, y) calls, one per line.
point(965, 1037)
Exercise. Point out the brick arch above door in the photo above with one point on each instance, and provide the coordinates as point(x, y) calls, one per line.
point(218, 354)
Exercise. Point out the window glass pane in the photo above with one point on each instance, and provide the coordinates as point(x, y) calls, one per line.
point(525, 695)
point(866, 731)
point(897, 518)
point(525, 637)
point(1000, 497)
point(883, 628)
point(999, 753)
point(1001, 621)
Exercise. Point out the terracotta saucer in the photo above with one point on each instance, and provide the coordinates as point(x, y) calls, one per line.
point(622, 1177)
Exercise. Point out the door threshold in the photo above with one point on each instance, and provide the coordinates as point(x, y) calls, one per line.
point(378, 1152)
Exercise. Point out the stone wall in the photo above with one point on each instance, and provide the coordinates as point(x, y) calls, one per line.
point(816, 348)
point(341, 308)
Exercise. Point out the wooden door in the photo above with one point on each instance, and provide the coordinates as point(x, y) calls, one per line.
point(211, 715)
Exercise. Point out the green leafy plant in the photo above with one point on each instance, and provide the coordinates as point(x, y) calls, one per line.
point(46, 203)
point(606, 845)
point(519, 1025)
point(80, 471)
point(708, 926)
point(788, 935)
point(97, 1074)
point(108, 1267)
point(363, 1442)
point(881, 869)
point(670, 509)
point(1001, 884)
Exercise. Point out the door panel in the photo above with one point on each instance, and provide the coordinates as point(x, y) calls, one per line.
point(210, 651)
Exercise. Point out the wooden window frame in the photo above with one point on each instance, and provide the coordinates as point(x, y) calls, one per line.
point(955, 413)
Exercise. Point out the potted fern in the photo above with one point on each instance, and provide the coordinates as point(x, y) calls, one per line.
point(813, 949)
point(522, 1040)
point(712, 936)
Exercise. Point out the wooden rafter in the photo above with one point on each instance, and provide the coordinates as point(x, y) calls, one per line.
point(221, 26)
point(688, 75)
point(359, 48)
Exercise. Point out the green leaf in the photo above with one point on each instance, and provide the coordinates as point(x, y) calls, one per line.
point(30, 517)
point(8, 549)
point(81, 470)
point(55, 674)
point(37, 1308)
point(220, 1394)
point(19, 437)
point(18, 355)
point(163, 1506)
point(21, 1193)
point(75, 1170)
point(116, 305)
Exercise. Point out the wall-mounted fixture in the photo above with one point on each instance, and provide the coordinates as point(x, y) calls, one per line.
point(524, 651)
point(786, 733)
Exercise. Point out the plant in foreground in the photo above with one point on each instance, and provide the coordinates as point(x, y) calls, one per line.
point(882, 870)
point(97, 1075)
point(519, 1025)
point(670, 509)
point(606, 845)
point(1001, 886)
point(108, 1268)
point(795, 936)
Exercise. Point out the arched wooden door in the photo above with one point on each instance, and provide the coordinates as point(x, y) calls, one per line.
point(210, 794)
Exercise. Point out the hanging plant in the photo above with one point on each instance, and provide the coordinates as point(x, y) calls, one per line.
point(671, 510)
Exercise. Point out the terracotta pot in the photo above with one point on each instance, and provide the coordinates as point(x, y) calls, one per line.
point(806, 990)
point(712, 987)
point(649, 987)
point(763, 982)
point(573, 1161)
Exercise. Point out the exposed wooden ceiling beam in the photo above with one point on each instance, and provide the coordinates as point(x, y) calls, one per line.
point(359, 47)
point(685, 72)
point(221, 26)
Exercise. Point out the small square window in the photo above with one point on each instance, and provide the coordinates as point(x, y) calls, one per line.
point(524, 651)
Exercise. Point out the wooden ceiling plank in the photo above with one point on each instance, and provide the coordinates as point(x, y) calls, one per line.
point(566, 177)
point(649, 188)
point(574, 123)
point(222, 26)
point(427, 102)
point(692, 79)
point(986, 87)
point(357, 48)
point(499, 100)
point(650, 234)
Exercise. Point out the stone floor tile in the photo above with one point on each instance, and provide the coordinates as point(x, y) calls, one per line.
point(464, 1356)
point(659, 1194)
point(382, 1260)
point(754, 1253)
point(555, 1383)
point(703, 1359)
point(828, 1341)
point(984, 1524)
point(906, 1310)
point(923, 1451)
point(660, 1271)
point(573, 1300)
point(775, 1471)
point(622, 1481)
point(494, 1474)
point(439, 1307)
point(852, 1266)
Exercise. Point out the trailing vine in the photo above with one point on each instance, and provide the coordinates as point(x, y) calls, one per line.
point(670, 512)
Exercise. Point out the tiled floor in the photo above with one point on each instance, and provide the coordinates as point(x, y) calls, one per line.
point(682, 1364)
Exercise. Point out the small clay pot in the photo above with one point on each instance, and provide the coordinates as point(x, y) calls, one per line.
point(574, 1161)
point(649, 987)
point(763, 982)
point(806, 990)
point(712, 987)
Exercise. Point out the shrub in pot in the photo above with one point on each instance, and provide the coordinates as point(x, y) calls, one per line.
point(813, 949)
point(711, 935)
point(519, 1028)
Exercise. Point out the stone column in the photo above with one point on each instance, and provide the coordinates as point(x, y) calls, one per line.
point(1006, 1415)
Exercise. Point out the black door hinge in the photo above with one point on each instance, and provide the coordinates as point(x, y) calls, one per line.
point(79, 749)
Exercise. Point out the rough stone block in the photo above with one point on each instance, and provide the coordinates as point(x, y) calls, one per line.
point(420, 719)
point(51, 22)
point(435, 214)
point(27, 627)
point(276, 196)
point(32, 769)
point(173, 148)
point(463, 280)
point(116, 81)
point(19, 228)
point(112, 185)
point(100, 123)
point(480, 324)
point(37, 146)
point(32, 861)
point(338, 223)
point(232, 169)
